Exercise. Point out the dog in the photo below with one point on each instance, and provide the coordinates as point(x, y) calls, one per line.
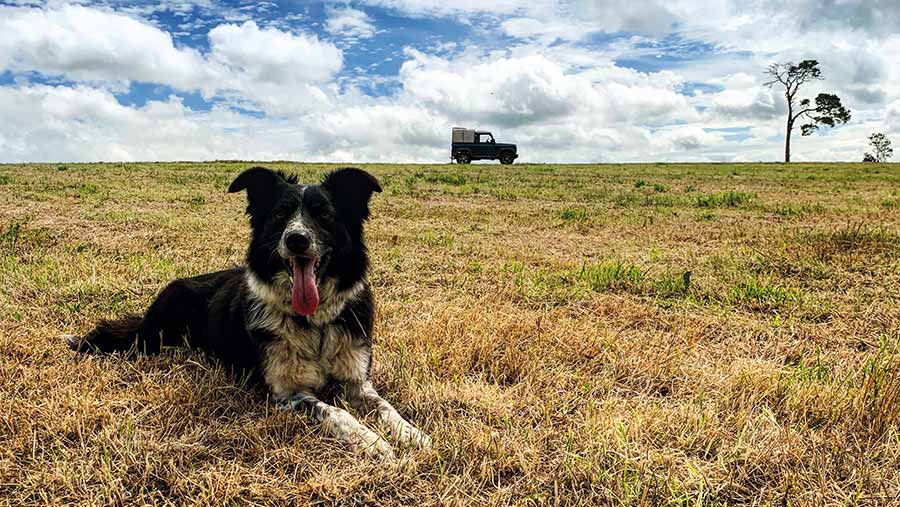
point(297, 317)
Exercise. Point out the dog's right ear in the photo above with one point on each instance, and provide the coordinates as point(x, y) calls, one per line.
point(263, 186)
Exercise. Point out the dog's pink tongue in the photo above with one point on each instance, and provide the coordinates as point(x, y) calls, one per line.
point(305, 295)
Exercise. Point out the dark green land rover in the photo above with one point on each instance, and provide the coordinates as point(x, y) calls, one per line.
point(468, 145)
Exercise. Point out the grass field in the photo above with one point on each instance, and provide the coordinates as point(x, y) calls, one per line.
point(568, 335)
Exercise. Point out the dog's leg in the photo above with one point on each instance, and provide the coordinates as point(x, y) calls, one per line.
point(340, 425)
point(363, 397)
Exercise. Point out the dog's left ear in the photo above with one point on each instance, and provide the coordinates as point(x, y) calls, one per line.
point(350, 189)
point(263, 186)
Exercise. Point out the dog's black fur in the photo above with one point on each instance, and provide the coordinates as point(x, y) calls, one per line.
point(245, 318)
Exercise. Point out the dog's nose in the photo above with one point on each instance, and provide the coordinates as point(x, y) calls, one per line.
point(296, 242)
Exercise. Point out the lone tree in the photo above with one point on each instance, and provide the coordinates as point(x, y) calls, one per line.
point(881, 145)
point(827, 110)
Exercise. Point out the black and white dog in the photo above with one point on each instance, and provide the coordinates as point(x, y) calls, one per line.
point(298, 316)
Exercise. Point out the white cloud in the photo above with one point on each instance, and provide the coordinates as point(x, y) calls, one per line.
point(87, 44)
point(443, 8)
point(349, 22)
point(47, 123)
point(532, 89)
point(269, 55)
point(892, 118)
point(685, 138)
point(59, 123)
point(746, 104)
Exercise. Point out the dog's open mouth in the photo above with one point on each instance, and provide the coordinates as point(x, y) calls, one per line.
point(304, 292)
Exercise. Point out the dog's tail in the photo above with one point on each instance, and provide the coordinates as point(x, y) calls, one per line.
point(118, 335)
point(176, 309)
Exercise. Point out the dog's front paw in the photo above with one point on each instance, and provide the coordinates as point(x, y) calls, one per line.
point(410, 436)
point(373, 446)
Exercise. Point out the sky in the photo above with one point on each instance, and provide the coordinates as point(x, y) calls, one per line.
point(385, 80)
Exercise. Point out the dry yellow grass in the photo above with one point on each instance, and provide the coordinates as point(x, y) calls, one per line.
point(568, 335)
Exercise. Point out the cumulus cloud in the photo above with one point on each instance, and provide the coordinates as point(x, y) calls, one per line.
point(502, 91)
point(53, 123)
point(85, 44)
point(269, 55)
point(892, 118)
point(685, 138)
point(49, 123)
point(518, 91)
point(349, 22)
point(747, 104)
point(88, 44)
point(273, 71)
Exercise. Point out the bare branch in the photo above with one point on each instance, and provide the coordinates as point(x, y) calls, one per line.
point(802, 112)
point(779, 73)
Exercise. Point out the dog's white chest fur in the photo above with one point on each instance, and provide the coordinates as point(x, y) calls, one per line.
point(307, 359)
point(304, 358)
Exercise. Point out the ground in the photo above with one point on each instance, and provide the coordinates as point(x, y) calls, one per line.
point(568, 335)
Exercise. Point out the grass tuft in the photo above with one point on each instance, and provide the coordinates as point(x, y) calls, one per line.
point(763, 295)
point(573, 215)
point(446, 178)
point(612, 275)
point(730, 199)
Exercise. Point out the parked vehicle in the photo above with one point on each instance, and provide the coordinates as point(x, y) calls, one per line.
point(468, 145)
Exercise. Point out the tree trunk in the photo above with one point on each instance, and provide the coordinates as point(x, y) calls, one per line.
point(787, 142)
point(790, 127)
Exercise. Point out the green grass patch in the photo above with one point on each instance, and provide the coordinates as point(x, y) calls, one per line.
point(793, 210)
point(446, 178)
point(758, 293)
point(672, 284)
point(9, 237)
point(813, 371)
point(853, 239)
point(503, 195)
point(194, 201)
point(724, 200)
point(578, 215)
point(612, 275)
point(431, 238)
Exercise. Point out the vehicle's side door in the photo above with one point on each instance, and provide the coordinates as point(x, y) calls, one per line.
point(482, 147)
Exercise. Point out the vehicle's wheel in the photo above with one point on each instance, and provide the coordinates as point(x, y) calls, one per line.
point(506, 158)
point(463, 157)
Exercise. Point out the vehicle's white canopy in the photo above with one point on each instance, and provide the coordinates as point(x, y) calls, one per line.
point(463, 135)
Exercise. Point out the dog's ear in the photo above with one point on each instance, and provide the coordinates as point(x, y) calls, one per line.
point(263, 186)
point(350, 189)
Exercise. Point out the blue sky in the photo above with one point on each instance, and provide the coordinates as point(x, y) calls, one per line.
point(384, 80)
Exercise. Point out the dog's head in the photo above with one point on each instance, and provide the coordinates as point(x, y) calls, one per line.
point(303, 235)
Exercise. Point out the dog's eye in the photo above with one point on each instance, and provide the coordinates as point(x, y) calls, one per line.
point(319, 210)
point(282, 213)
